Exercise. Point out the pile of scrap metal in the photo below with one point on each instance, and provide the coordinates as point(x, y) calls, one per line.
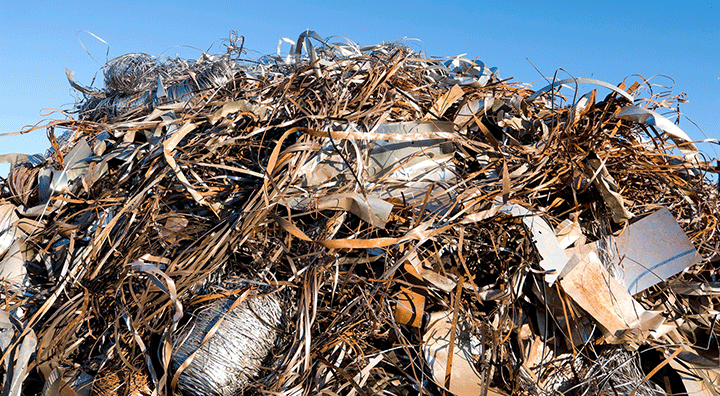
point(353, 220)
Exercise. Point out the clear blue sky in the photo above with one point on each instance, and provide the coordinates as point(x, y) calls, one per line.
point(606, 40)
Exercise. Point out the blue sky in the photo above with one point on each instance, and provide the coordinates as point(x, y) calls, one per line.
point(607, 40)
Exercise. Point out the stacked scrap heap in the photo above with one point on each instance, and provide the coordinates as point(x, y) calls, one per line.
point(359, 220)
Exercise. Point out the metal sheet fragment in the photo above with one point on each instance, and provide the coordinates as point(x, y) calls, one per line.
point(553, 255)
point(652, 250)
point(465, 379)
point(592, 287)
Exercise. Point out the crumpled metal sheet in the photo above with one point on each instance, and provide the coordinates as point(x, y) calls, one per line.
point(8, 226)
point(18, 346)
point(373, 210)
point(17, 253)
point(18, 158)
point(405, 170)
point(75, 166)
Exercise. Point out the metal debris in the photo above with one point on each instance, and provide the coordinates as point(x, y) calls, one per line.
point(226, 344)
point(430, 227)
